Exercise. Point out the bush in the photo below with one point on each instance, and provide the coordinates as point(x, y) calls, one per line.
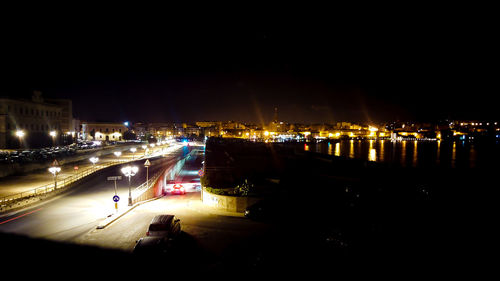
point(242, 189)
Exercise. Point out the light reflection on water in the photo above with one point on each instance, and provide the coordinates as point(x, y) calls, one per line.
point(412, 153)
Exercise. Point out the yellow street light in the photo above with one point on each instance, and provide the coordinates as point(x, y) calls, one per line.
point(20, 134)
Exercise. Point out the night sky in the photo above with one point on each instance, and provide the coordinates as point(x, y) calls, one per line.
point(313, 66)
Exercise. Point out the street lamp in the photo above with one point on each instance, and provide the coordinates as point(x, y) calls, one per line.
point(55, 170)
point(20, 135)
point(117, 154)
point(129, 171)
point(53, 135)
point(94, 160)
point(133, 150)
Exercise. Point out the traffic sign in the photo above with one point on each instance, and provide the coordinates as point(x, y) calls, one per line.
point(116, 198)
point(114, 178)
point(76, 167)
point(147, 163)
point(201, 173)
point(55, 163)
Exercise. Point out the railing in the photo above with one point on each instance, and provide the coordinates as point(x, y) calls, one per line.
point(9, 200)
point(145, 191)
point(61, 184)
point(140, 193)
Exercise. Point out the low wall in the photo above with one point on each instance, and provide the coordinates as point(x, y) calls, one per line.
point(227, 203)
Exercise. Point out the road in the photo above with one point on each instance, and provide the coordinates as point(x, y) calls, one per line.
point(21, 183)
point(76, 212)
point(70, 220)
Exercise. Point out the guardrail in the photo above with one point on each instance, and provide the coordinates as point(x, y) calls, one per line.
point(13, 199)
point(145, 191)
point(61, 184)
point(140, 193)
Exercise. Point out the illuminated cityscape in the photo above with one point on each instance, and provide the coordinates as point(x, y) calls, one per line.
point(133, 147)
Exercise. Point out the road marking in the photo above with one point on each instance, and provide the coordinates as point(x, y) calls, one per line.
point(20, 216)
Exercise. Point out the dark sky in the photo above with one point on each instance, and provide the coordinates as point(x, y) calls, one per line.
point(315, 66)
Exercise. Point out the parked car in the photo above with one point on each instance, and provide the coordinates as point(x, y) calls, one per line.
point(265, 209)
point(164, 226)
point(151, 245)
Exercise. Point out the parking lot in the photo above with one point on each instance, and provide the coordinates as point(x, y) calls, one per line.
point(46, 154)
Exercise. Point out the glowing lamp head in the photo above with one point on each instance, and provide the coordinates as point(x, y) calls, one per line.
point(94, 160)
point(54, 170)
point(117, 153)
point(129, 171)
point(133, 149)
point(20, 133)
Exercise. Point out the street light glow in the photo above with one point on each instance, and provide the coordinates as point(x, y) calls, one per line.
point(129, 171)
point(52, 133)
point(20, 133)
point(54, 170)
point(94, 159)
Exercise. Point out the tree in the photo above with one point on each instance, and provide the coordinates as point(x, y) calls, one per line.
point(129, 135)
point(245, 188)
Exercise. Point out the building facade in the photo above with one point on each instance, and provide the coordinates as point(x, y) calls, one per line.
point(28, 123)
point(102, 131)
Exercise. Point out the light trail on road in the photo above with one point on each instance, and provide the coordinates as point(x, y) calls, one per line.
point(20, 216)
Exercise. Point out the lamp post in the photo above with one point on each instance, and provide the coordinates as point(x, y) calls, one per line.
point(144, 147)
point(117, 154)
point(55, 170)
point(53, 135)
point(129, 171)
point(94, 160)
point(133, 150)
point(20, 135)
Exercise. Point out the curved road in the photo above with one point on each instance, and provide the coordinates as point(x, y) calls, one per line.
point(79, 210)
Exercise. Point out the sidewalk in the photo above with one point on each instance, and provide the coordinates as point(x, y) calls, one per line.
point(195, 205)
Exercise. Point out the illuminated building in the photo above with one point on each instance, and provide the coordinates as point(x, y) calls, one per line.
point(36, 117)
point(101, 131)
